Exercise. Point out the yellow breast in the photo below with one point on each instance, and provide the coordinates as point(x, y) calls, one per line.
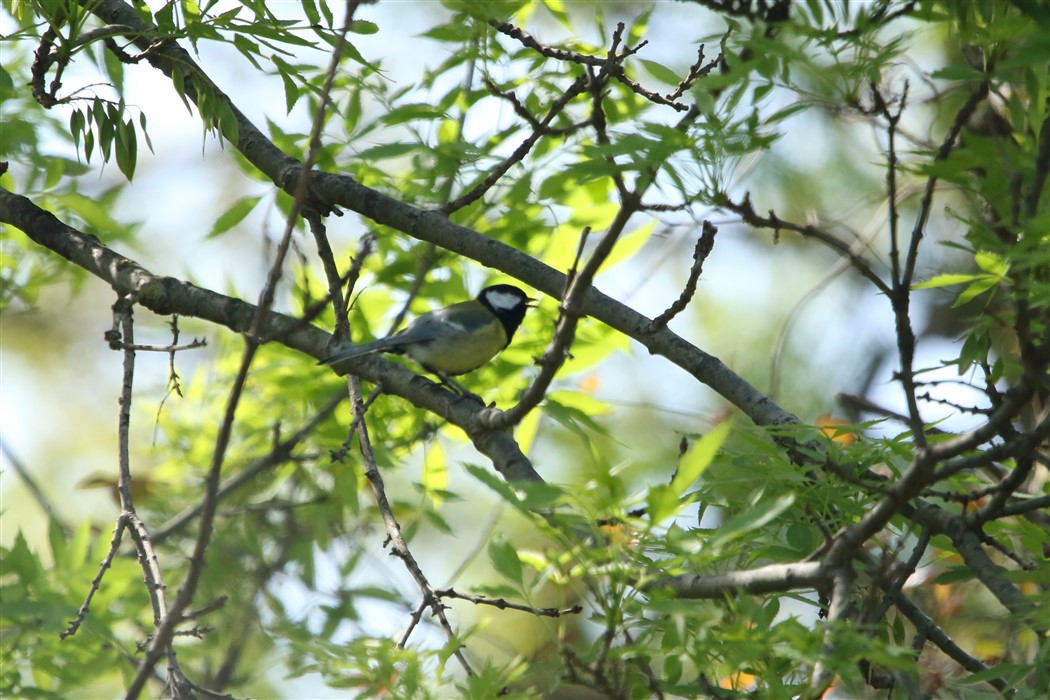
point(459, 352)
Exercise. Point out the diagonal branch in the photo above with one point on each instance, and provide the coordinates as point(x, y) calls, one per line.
point(280, 454)
point(750, 217)
point(167, 295)
point(399, 547)
point(474, 194)
point(774, 578)
point(704, 244)
point(433, 227)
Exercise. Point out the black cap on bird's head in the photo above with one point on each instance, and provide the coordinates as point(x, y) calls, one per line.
point(508, 304)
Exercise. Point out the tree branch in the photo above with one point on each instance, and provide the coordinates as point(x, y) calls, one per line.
point(775, 578)
point(431, 226)
point(167, 295)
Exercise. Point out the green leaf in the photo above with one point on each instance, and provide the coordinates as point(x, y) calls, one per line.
point(978, 287)
point(558, 11)
point(958, 73)
point(361, 26)
point(411, 112)
point(800, 538)
point(991, 263)
point(329, 18)
point(57, 540)
point(295, 83)
point(534, 496)
point(751, 519)
point(77, 123)
point(248, 48)
point(92, 212)
point(504, 558)
point(956, 574)
point(310, 10)
point(435, 472)
point(165, 18)
point(661, 503)
point(89, 144)
point(498, 485)
point(22, 561)
point(630, 243)
point(572, 418)
point(974, 350)
point(787, 112)
point(945, 280)
point(455, 32)
point(228, 124)
point(127, 148)
point(388, 150)
point(661, 72)
point(699, 457)
point(104, 127)
point(233, 215)
point(355, 55)
point(178, 81)
point(115, 70)
point(7, 85)
point(145, 132)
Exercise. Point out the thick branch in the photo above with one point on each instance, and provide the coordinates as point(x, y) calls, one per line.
point(968, 544)
point(167, 295)
point(433, 227)
point(775, 578)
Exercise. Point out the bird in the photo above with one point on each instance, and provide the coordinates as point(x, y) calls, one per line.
point(456, 339)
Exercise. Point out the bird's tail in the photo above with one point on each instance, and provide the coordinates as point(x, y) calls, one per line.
point(388, 344)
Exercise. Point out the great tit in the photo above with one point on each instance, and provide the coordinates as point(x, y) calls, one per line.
point(456, 339)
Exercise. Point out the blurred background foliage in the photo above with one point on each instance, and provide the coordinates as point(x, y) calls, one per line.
point(313, 605)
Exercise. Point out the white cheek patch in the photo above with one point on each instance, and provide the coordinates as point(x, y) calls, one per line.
point(502, 301)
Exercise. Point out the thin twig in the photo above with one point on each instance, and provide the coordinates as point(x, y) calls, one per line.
point(892, 120)
point(399, 547)
point(357, 263)
point(900, 298)
point(278, 455)
point(860, 243)
point(704, 244)
point(413, 621)
point(838, 612)
point(160, 348)
point(173, 376)
point(472, 195)
point(897, 585)
point(331, 271)
point(253, 339)
point(340, 454)
point(525, 114)
point(926, 627)
point(503, 604)
point(529, 41)
point(114, 545)
point(747, 213)
point(557, 351)
point(123, 330)
point(211, 607)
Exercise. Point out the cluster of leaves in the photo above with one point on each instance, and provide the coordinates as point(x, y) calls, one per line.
point(735, 500)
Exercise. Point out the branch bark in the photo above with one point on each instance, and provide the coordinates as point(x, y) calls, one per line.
point(167, 295)
point(775, 578)
point(328, 190)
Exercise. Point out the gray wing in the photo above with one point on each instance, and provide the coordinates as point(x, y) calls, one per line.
point(420, 330)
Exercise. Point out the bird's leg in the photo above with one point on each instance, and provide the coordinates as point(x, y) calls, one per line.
point(458, 388)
